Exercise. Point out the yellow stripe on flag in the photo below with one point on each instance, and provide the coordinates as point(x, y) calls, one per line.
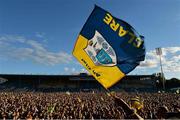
point(107, 76)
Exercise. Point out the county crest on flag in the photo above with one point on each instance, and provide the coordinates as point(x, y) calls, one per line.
point(108, 47)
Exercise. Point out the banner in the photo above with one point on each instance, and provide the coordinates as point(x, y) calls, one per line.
point(108, 47)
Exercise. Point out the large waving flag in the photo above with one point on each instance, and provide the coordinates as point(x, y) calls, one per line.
point(108, 47)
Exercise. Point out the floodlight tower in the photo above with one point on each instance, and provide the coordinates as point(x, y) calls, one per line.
point(159, 52)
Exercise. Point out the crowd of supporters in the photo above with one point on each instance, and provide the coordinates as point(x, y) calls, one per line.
point(82, 105)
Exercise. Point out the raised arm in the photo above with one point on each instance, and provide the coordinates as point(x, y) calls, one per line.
point(129, 112)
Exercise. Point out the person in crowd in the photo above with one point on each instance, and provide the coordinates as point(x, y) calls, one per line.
point(130, 112)
point(163, 113)
point(86, 105)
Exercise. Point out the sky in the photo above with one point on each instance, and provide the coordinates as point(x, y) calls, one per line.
point(38, 36)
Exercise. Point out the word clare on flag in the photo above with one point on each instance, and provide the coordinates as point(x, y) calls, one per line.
point(108, 47)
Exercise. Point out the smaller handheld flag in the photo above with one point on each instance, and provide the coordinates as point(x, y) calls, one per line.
point(136, 103)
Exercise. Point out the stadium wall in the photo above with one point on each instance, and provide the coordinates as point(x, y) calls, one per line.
point(75, 82)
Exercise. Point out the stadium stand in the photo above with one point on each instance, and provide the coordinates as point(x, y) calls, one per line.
point(84, 82)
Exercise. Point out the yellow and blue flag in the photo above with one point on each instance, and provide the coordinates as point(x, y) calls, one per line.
point(109, 48)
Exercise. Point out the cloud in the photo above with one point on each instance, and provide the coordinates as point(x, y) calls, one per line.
point(70, 70)
point(12, 38)
point(74, 71)
point(21, 48)
point(66, 69)
point(170, 59)
point(171, 50)
point(40, 34)
point(149, 63)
